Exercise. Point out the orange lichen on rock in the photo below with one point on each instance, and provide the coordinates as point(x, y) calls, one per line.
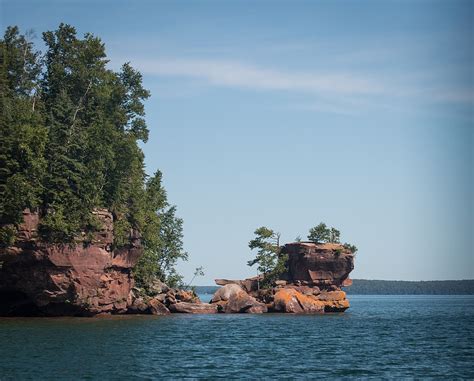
point(332, 295)
point(292, 301)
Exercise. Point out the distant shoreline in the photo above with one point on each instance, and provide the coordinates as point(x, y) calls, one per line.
point(395, 287)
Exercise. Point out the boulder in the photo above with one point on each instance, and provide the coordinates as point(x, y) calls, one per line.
point(138, 306)
point(186, 296)
point(232, 298)
point(249, 284)
point(158, 287)
point(225, 292)
point(332, 295)
point(241, 302)
point(336, 305)
point(157, 308)
point(291, 301)
point(193, 308)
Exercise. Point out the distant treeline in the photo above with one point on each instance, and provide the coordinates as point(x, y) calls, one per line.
point(394, 287)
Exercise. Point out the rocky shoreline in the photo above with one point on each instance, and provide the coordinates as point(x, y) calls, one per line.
point(39, 279)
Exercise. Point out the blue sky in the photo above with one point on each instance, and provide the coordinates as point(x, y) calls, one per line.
point(288, 113)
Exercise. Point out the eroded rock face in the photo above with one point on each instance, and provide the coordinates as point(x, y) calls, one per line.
point(44, 279)
point(319, 265)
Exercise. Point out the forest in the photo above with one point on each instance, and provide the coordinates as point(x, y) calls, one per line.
point(70, 134)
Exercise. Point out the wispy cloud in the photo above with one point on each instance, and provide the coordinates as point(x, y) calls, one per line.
point(237, 74)
point(329, 91)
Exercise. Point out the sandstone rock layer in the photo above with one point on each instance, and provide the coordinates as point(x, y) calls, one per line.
point(316, 264)
point(81, 279)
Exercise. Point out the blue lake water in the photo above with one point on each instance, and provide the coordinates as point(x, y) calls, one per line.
point(378, 337)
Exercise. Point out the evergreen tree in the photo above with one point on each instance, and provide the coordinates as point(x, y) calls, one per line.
point(165, 249)
point(267, 243)
point(319, 233)
point(23, 135)
point(334, 235)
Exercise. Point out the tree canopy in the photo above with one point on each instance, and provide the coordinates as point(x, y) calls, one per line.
point(70, 133)
point(270, 261)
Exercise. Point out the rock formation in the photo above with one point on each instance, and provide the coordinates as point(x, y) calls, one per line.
point(322, 265)
point(86, 278)
point(312, 283)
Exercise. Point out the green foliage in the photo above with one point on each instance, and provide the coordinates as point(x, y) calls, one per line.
point(321, 233)
point(276, 272)
point(70, 133)
point(70, 129)
point(352, 248)
point(7, 235)
point(334, 235)
point(162, 250)
point(199, 271)
point(267, 243)
point(23, 135)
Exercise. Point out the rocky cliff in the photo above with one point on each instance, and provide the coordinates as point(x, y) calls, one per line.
point(318, 264)
point(86, 278)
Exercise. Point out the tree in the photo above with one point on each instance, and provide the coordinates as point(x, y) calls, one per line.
point(334, 235)
point(23, 135)
point(267, 243)
point(199, 271)
point(70, 134)
point(319, 233)
point(162, 239)
point(352, 248)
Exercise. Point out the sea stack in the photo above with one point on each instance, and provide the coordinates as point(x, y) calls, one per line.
point(312, 283)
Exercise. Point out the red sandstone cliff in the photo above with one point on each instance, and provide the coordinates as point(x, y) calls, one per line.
point(318, 264)
point(44, 279)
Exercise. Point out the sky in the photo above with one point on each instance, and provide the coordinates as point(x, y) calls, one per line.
point(288, 113)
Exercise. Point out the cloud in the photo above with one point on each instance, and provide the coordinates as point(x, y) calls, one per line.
point(240, 75)
point(330, 91)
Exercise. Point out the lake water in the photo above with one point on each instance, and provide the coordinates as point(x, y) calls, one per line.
point(378, 337)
